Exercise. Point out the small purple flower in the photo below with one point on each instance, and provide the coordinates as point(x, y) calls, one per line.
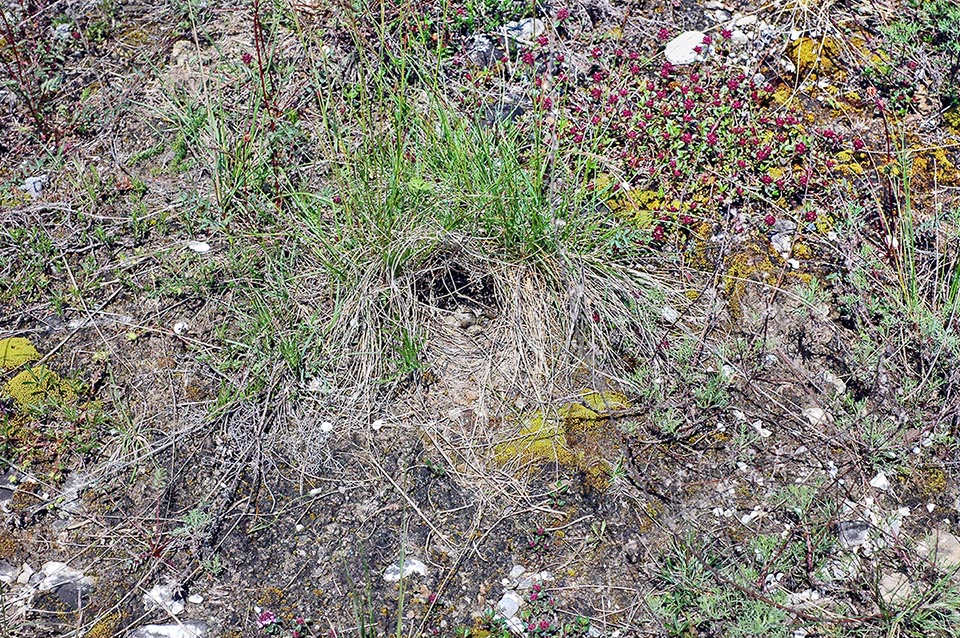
point(266, 618)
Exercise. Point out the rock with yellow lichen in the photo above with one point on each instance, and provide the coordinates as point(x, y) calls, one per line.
point(39, 385)
point(568, 437)
point(811, 55)
point(16, 351)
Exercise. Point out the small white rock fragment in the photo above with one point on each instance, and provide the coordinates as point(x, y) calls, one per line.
point(745, 21)
point(682, 49)
point(516, 572)
point(195, 599)
point(326, 427)
point(509, 605)
point(816, 416)
point(164, 597)
point(181, 328)
point(739, 37)
point(376, 425)
point(411, 566)
point(34, 185)
point(762, 431)
point(189, 629)
point(524, 31)
point(931, 507)
point(669, 314)
point(880, 481)
point(199, 247)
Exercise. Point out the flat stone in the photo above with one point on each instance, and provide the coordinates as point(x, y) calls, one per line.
point(189, 629)
point(56, 574)
point(509, 605)
point(894, 588)
point(681, 50)
point(880, 481)
point(943, 548)
point(516, 572)
point(524, 31)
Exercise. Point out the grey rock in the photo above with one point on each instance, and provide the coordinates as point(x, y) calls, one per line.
point(483, 52)
point(853, 534)
point(516, 572)
point(189, 629)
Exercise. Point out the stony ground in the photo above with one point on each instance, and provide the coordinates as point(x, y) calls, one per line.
point(665, 377)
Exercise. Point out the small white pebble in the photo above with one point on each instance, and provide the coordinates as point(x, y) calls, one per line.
point(199, 247)
point(326, 427)
point(376, 425)
point(931, 507)
point(181, 328)
point(195, 599)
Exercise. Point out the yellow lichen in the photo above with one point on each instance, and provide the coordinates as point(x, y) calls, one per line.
point(565, 437)
point(105, 627)
point(932, 166)
point(16, 351)
point(813, 55)
point(39, 385)
point(952, 119)
point(932, 482)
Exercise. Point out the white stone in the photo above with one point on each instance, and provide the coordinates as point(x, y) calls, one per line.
point(199, 247)
point(326, 427)
point(376, 425)
point(680, 50)
point(34, 185)
point(56, 574)
point(164, 597)
point(25, 573)
point(738, 37)
point(721, 16)
point(762, 431)
point(410, 566)
point(816, 416)
point(745, 21)
point(669, 314)
point(509, 605)
point(195, 599)
point(524, 31)
point(516, 572)
point(181, 328)
point(189, 629)
point(880, 481)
